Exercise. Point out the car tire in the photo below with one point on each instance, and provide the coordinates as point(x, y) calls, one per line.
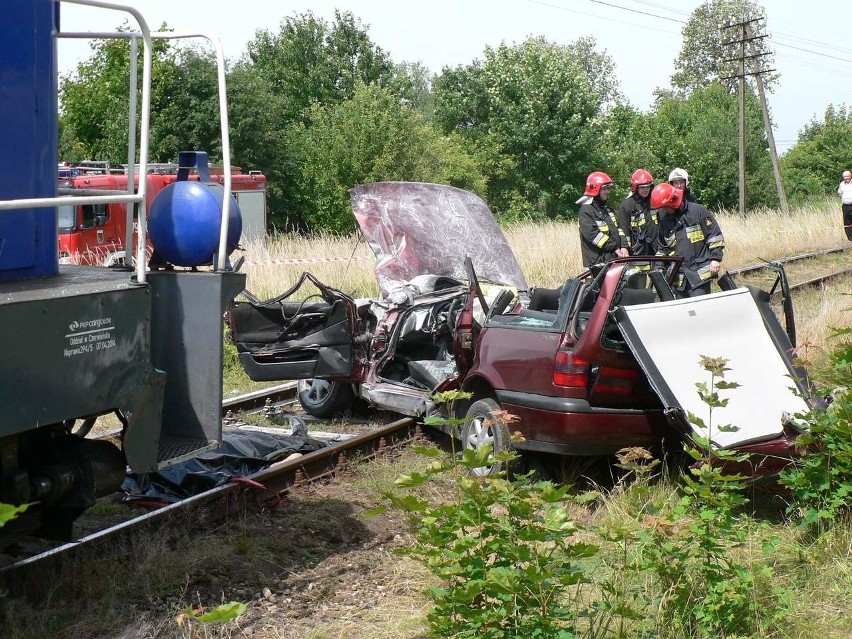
point(324, 399)
point(483, 425)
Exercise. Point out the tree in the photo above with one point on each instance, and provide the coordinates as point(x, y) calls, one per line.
point(371, 137)
point(256, 113)
point(310, 61)
point(624, 147)
point(531, 109)
point(185, 106)
point(700, 134)
point(413, 83)
point(95, 99)
point(823, 151)
point(705, 58)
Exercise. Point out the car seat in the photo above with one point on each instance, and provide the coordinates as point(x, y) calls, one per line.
point(633, 296)
point(544, 299)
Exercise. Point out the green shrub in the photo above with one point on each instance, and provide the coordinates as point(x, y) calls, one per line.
point(707, 589)
point(820, 483)
point(505, 551)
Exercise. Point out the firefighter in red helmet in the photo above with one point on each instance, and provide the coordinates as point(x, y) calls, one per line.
point(601, 239)
point(636, 217)
point(690, 231)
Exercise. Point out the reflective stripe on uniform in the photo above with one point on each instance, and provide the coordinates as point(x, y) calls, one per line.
point(694, 233)
point(603, 234)
point(716, 241)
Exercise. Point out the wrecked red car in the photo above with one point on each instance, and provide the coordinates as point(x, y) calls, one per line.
point(608, 360)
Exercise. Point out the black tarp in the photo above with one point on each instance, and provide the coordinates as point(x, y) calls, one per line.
point(241, 454)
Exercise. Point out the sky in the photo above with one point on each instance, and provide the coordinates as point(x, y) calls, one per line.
point(813, 54)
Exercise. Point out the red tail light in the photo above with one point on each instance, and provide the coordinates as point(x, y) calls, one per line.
point(614, 381)
point(570, 371)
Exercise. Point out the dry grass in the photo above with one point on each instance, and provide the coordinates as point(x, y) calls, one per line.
point(548, 252)
point(818, 311)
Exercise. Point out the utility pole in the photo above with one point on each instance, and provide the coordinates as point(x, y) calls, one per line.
point(770, 136)
point(742, 123)
point(746, 36)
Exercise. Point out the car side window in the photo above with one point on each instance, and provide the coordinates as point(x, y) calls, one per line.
point(94, 215)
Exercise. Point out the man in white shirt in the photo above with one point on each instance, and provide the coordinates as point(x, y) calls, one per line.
point(845, 193)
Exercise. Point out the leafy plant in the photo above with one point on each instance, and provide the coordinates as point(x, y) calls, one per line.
point(220, 614)
point(505, 551)
point(623, 600)
point(821, 482)
point(707, 590)
point(9, 512)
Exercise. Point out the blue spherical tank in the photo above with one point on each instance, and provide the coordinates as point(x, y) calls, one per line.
point(184, 221)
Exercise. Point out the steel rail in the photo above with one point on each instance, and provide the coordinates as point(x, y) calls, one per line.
point(786, 260)
point(256, 400)
point(820, 279)
point(215, 504)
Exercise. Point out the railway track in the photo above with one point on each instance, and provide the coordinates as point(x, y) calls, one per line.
point(205, 508)
point(300, 470)
point(760, 272)
point(263, 399)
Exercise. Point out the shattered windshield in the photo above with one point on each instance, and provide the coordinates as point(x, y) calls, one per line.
point(416, 229)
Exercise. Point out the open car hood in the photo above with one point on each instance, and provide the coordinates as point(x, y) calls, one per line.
point(668, 340)
point(416, 229)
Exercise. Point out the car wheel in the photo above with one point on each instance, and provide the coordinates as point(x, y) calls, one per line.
point(324, 399)
point(482, 425)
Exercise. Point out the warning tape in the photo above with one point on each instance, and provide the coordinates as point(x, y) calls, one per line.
point(306, 260)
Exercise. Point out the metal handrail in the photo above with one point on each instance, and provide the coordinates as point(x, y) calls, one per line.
point(223, 117)
point(140, 196)
point(43, 202)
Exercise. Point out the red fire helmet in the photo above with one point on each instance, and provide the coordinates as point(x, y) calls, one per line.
point(641, 177)
point(595, 181)
point(666, 195)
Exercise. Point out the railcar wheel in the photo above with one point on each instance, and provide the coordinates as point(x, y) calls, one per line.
point(484, 426)
point(324, 399)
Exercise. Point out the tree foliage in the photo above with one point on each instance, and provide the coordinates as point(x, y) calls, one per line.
point(318, 107)
point(536, 106)
point(623, 147)
point(95, 99)
point(700, 134)
point(309, 61)
point(706, 58)
point(823, 152)
point(371, 137)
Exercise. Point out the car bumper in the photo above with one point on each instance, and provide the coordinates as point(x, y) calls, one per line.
point(571, 426)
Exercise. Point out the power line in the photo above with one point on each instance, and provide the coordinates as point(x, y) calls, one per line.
point(600, 17)
point(809, 41)
point(817, 53)
point(644, 13)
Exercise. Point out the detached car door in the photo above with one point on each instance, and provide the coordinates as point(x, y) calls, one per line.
point(302, 338)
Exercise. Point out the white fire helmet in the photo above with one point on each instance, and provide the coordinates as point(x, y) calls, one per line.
point(679, 174)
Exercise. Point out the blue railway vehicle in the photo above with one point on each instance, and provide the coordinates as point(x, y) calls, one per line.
point(82, 342)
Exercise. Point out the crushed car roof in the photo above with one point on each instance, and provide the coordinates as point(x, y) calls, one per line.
point(415, 228)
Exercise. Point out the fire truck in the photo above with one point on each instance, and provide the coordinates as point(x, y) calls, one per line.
point(96, 234)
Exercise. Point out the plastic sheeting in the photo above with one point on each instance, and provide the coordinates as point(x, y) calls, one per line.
point(416, 229)
point(241, 454)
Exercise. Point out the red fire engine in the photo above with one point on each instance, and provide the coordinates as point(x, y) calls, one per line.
point(95, 233)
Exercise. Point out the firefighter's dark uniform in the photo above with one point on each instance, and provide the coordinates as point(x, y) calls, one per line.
point(693, 234)
point(600, 235)
point(639, 223)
